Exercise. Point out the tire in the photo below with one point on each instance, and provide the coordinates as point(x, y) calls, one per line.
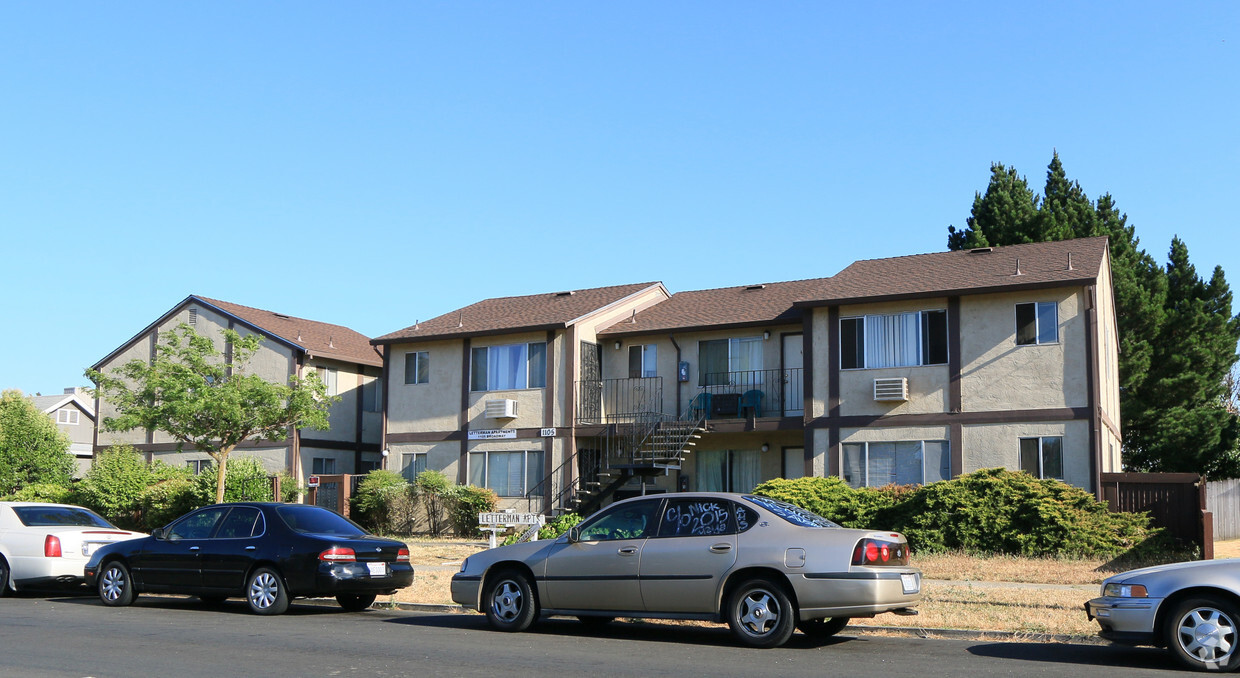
point(595, 622)
point(354, 603)
point(265, 592)
point(4, 578)
point(510, 602)
point(1202, 634)
point(821, 629)
point(760, 614)
point(115, 585)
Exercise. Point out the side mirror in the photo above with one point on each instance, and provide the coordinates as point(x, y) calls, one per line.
point(158, 533)
point(574, 534)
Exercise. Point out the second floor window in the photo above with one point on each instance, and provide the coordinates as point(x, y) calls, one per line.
point(1037, 323)
point(323, 466)
point(372, 395)
point(328, 376)
point(67, 416)
point(720, 359)
point(508, 367)
point(642, 361)
point(418, 367)
point(896, 340)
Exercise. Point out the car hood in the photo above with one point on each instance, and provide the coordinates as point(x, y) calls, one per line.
point(1200, 568)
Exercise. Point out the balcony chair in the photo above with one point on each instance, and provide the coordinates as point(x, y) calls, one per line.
point(752, 400)
point(699, 407)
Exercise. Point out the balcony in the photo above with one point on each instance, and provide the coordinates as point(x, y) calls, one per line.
point(750, 393)
point(619, 401)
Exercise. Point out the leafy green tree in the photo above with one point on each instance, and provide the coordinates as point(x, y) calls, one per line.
point(1172, 395)
point(115, 483)
point(32, 449)
point(206, 399)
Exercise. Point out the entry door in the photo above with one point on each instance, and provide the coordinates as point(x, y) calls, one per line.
point(794, 462)
point(590, 391)
point(794, 360)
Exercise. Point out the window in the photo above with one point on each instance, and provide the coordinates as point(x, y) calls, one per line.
point(321, 466)
point(241, 523)
point(915, 462)
point(642, 361)
point(68, 416)
point(897, 340)
point(368, 465)
point(328, 375)
point(510, 474)
point(412, 464)
point(720, 359)
point(697, 518)
point(197, 525)
point(1037, 323)
point(635, 520)
point(512, 366)
point(418, 367)
point(1042, 457)
point(728, 470)
point(198, 465)
point(372, 395)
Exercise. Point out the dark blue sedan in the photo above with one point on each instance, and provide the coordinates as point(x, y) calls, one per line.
point(266, 553)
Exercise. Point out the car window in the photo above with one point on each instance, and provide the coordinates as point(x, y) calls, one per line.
point(745, 517)
point(59, 516)
point(635, 520)
point(197, 525)
point(240, 523)
point(793, 514)
point(697, 517)
point(317, 520)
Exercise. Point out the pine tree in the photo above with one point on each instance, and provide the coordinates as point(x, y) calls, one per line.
point(1001, 217)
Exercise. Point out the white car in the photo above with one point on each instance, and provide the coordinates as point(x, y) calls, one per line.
point(48, 545)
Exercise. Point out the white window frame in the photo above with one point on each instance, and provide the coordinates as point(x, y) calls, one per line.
point(527, 483)
point(1038, 307)
point(198, 465)
point(330, 377)
point(865, 457)
point(420, 358)
point(649, 361)
point(68, 416)
point(869, 318)
point(530, 381)
point(1042, 456)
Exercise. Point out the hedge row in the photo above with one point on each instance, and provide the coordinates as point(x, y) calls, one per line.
point(989, 511)
point(386, 503)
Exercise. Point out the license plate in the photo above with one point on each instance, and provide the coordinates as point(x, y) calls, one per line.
point(910, 583)
point(377, 569)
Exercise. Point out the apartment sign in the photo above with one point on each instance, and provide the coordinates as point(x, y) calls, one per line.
point(546, 432)
point(492, 433)
point(511, 519)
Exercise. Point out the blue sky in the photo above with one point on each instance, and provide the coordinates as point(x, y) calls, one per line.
point(373, 164)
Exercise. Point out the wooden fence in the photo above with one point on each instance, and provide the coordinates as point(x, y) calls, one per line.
point(1175, 501)
point(1223, 499)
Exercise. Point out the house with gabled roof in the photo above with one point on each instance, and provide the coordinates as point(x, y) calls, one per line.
point(902, 370)
point(74, 414)
point(344, 359)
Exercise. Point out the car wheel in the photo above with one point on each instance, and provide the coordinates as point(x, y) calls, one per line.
point(115, 585)
point(265, 592)
point(4, 578)
point(823, 628)
point(760, 614)
point(510, 602)
point(1202, 634)
point(595, 622)
point(354, 603)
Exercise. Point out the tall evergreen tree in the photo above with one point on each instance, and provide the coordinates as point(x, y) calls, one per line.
point(1177, 334)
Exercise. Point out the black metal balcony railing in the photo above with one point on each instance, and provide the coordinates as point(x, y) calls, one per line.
point(759, 393)
point(618, 401)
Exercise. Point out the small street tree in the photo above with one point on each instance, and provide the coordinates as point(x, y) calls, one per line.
point(204, 397)
point(32, 449)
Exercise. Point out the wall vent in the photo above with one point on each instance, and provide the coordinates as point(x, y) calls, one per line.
point(193, 317)
point(505, 408)
point(891, 389)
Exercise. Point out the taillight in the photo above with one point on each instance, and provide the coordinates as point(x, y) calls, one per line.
point(338, 554)
point(877, 552)
point(402, 556)
point(51, 546)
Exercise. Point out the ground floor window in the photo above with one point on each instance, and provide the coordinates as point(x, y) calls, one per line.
point(198, 465)
point(1042, 457)
point(321, 466)
point(509, 474)
point(368, 465)
point(913, 462)
point(412, 464)
point(728, 470)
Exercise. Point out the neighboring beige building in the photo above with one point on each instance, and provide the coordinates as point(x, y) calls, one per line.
point(74, 414)
point(345, 360)
point(903, 370)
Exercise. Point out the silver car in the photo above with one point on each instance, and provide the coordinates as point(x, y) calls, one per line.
point(1189, 608)
point(763, 566)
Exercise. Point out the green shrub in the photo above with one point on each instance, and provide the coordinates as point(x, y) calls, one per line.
point(50, 493)
point(384, 503)
point(434, 492)
point(552, 530)
point(834, 500)
point(466, 503)
point(290, 491)
point(114, 483)
point(167, 500)
point(245, 480)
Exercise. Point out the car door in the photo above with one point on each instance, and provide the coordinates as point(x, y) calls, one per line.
point(227, 556)
point(599, 571)
point(682, 566)
point(173, 562)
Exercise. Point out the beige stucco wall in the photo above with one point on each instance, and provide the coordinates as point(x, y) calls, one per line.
point(433, 406)
point(927, 385)
point(273, 458)
point(998, 446)
point(440, 456)
point(343, 413)
point(996, 374)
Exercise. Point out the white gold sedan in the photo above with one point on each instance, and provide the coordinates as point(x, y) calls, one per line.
point(48, 545)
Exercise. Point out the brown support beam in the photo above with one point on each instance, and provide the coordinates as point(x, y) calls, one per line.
point(955, 402)
point(462, 467)
point(1093, 384)
point(833, 391)
point(383, 395)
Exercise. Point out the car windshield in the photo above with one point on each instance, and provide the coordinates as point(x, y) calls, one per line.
point(793, 514)
point(316, 520)
point(59, 516)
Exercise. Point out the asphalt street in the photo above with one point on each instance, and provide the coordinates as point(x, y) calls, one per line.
point(165, 636)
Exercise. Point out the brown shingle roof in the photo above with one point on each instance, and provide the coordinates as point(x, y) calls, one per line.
point(505, 315)
point(1042, 264)
point(770, 303)
point(319, 339)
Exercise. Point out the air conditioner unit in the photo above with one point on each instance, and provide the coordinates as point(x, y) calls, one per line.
point(891, 388)
point(505, 408)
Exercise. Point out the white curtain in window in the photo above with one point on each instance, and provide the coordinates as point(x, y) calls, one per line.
point(746, 356)
point(478, 469)
point(938, 460)
point(892, 340)
point(909, 463)
point(746, 470)
point(880, 464)
point(506, 367)
point(710, 467)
